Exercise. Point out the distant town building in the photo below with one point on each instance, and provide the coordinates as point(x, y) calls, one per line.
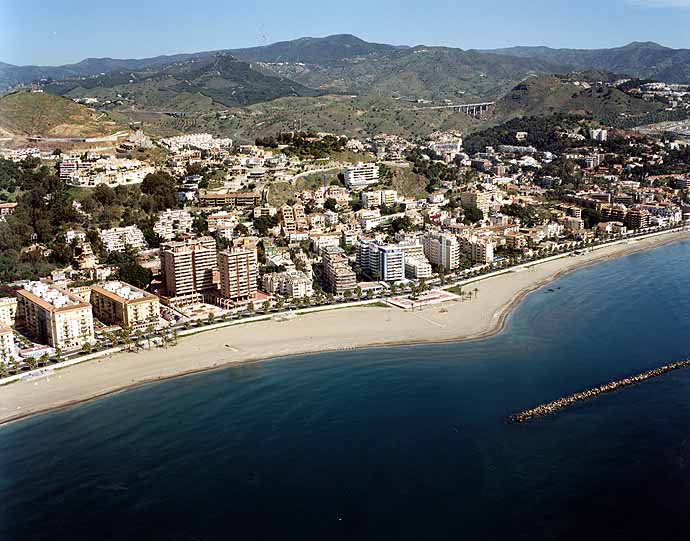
point(118, 239)
point(173, 222)
point(361, 175)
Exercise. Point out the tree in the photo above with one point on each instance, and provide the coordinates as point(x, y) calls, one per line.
point(163, 190)
point(86, 347)
point(4, 370)
point(104, 194)
point(348, 294)
point(250, 308)
point(330, 204)
point(266, 306)
point(473, 214)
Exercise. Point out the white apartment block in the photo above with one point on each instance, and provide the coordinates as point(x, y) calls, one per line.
point(8, 352)
point(417, 268)
point(291, 283)
point(381, 261)
point(201, 141)
point(442, 250)
point(118, 239)
point(222, 219)
point(54, 316)
point(376, 198)
point(238, 273)
point(361, 175)
point(173, 222)
point(8, 311)
point(598, 135)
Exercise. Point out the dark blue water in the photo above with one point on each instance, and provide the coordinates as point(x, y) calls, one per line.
point(399, 443)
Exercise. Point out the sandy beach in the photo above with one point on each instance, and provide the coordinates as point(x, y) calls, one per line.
point(346, 328)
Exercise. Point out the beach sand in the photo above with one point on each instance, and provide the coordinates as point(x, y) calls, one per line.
point(354, 327)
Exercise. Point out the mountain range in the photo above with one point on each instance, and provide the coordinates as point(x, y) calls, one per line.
point(382, 80)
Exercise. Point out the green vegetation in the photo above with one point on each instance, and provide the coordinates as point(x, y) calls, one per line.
point(304, 145)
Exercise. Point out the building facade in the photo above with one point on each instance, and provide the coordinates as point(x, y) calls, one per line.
point(187, 267)
point(118, 303)
point(238, 273)
point(338, 276)
point(54, 316)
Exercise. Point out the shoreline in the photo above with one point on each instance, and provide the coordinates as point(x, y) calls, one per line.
point(490, 313)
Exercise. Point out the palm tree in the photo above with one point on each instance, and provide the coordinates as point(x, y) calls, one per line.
point(139, 337)
point(266, 306)
point(150, 330)
point(31, 361)
point(58, 355)
point(358, 292)
point(348, 294)
point(250, 308)
point(86, 347)
point(307, 301)
point(4, 370)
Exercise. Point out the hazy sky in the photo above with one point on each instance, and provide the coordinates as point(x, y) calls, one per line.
point(64, 31)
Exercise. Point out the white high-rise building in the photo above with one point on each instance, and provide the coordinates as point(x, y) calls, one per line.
point(381, 261)
point(361, 175)
point(442, 250)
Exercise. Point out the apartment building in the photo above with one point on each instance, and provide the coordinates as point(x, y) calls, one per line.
point(293, 219)
point(54, 316)
point(417, 268)
point(229, 199)
point(292, 283)
point(118, 303)
point(376, 198)
point(480, 199)
point(8, 351)
point(7, 209)
point(188, 266)
point(220, 220)
point(118, 239)
point(381, 261)
point(637, 219)
point(8, 311)
point(478, 249)
point(173, 222)
point(361, 175)
point(442, 250)
point(338, 276)
point(239, 271)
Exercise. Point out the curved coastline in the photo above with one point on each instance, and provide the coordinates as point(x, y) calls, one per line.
point(494, 324)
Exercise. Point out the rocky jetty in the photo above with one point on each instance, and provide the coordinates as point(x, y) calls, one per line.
point(561, 403)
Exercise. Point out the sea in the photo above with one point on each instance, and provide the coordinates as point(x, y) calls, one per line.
point(391, 443)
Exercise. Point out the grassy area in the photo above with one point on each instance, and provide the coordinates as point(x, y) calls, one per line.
point(408, 183)
point(280, 193)
point(26, 113)
point(457, 290)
